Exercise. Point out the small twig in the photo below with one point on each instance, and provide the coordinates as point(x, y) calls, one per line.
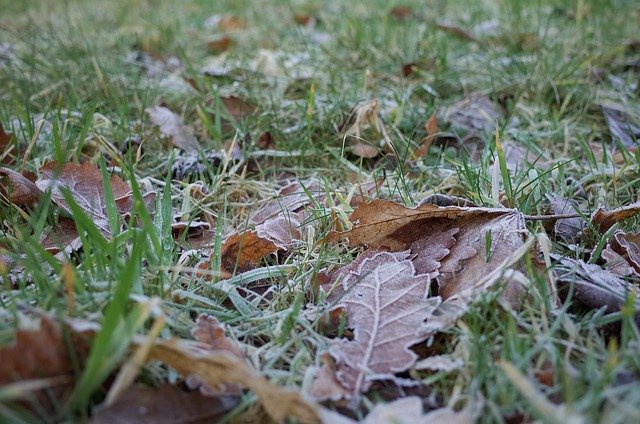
point(551, 217)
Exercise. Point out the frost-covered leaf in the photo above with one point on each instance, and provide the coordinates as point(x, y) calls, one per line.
point(85, 184)
point(5, 141)
point(467, 242)
point(403, 411)
point(604, 219)
point(623, 253)
point(567, 228)
point(473, 116)
point(171, 125)
point(291, 198)
point(594, 287)
point(385, 306)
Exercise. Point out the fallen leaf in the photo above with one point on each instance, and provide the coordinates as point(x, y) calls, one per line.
point(242, 251)
point(385, 306)
point(171, 125)
point(225, 23)
point(456, 31)
point(403, 411)
point(444, 363)
point(289, 199)
point(478, 239)
point(325, 385)
point(266, 141)
point(604, 219)
point(474, 115)
point(594, 287)
point(5, 142)
point(623, 253)
point(305, 20)
point(85, 184)
point(218, 367)
point(164, 405)
point(366, 151)
point(431, 126)
point(22, 191)
point(401, 13)
point(238, 107)
point(220, 44)
point(567, 228)
point(60, 237)
point(622, 127)
point(281, 230)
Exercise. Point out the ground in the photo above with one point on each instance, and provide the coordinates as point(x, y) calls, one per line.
point(205, 112)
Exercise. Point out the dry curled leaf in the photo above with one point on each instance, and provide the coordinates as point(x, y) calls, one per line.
point(467, 242)
point(385, 305)
point(164, 405)
point(604, 219)
point(85, 185)
point(171, 125)
point(21, 190)
point(431, 126)
point(242, 251)
point(623, 253)
point(218, 367)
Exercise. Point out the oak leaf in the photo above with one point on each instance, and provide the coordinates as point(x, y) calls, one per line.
point(467, 243)
point(385, 306)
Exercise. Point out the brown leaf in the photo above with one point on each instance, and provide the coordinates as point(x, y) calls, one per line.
point(431, 126)
point(603, 219)
point(164, 405)
point(366, 151)
point(389, 224)
point(623, 250)
point(325, 385)
point(304, 20)
point(568, 228)
point(474, 115)
point(220, 44)
point(171, 125)
point(594, 287)
point(209, 331)
point(238, 107)
point(281, 230)
point(85, 184)
point(622, 127)
point(22, 192)
point(401, 13)
point(214, 368)
point(242, 251)
point(59, 237)
point(5, 142)
point(266, 141)
point(456, 31)
point(385, 306)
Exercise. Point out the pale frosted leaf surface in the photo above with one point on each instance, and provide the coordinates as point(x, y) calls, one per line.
point(385, 307)
point(171, 125)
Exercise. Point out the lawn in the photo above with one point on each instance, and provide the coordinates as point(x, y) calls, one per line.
point(319, 211)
